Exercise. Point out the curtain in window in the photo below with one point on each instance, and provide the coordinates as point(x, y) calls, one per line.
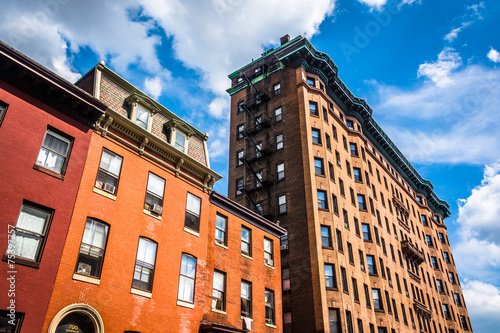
point(156, 185)
point(111, 162)
point(187, 278)
point(193, 204)
point(53, 152)
point(146, 252)
point(26, 242)
point(142, 117)
point(94, 238)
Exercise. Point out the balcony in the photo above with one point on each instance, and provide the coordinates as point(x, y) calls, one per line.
point(422, 310)
point(412, 252)
point(266, 180)
point(258, 125)
point(262, 149)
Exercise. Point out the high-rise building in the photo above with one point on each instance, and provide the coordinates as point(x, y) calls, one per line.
point(367, 248)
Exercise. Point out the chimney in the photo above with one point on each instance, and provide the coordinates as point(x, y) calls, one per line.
point(285, 39)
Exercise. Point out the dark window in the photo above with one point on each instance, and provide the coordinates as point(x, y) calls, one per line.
point(92, 248)
point(193, 206)
point(345, 286)
point(282, 204)
point(154, 194)
point(331, 171)
point(54, 153)
point(341, 187)
point(326, 239)
point(357, 174)
point(316, 136)
point(334, 320)
point(330, 280)
point(340, 245)
point(372, 269)
point(318, 166)
point(144, 265)
point(240, 130)
point(269, 302)
point(367, 296)
point(349, 251)
point(246, 298)
point(355, 290)
point(109, 172)
point(328, 141)
point(361, 202)
point(354, 149)
point(313, 108)
point(334, 132)
point(325, 114)
point(3, 111)
point(335, 204)
point(322, 201)
point(345, 142)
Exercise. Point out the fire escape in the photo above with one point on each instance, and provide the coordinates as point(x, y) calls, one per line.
point(258, 147)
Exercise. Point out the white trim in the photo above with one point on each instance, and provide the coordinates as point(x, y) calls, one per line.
point(185, 304)
point(85, 278)
point(147, 212)
point(192, 232)
point(86, 309)
point(104, 193)
point(244, 255)
point(141, 292)
point(219, 311)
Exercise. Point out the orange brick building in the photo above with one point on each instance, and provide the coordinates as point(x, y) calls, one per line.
point(151, 248)
point(367, 249)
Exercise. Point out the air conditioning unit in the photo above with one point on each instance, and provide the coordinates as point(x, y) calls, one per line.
point(363, 267)
point(84, 268)
point(284, 247)
point(269, 262)
point(109, 188)
point(157, 209)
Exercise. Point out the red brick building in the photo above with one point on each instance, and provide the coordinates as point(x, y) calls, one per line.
point(45, 130)
point(367, 249)
point(151, 247)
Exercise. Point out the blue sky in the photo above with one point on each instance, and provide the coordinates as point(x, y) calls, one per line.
point(429, 70)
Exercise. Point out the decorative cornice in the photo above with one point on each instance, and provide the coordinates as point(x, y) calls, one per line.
point(300, 53)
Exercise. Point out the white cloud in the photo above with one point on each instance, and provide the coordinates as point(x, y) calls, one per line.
point(219, 36)
point(475, 10)
point(43, 29)
point(453, 34)
point(439, 71)
point(219, 141)
point(374, 4)
point(153, 86)
point(483, 305)
point(219, 107)
point(493, 55)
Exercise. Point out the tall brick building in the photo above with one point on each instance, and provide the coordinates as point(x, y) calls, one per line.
point(367, 248)
point(151, 247)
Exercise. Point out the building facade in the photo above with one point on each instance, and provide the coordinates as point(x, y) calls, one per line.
point(151, 247)
point(367, 248)
point(45, 129)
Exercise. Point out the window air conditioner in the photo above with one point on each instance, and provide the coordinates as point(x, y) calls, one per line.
point(283, 247)
point(109, 188)
point(269, 262)
point(157, 209)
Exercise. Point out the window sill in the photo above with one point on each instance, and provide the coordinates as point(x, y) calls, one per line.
point(221, 245)
point(21, 261)
point(185, 304)
point(104, 193)
point(141, 293)
point(270, 325)
point(268, 266)
point(192, 232)
point(332, 288)
point(324, 209)
point(88, 279)
point(322, 175)
point(147, 212)
point(219, 311)
point(245, 256)
point(48, 172)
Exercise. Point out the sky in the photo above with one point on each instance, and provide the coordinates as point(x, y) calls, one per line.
point(430, 70)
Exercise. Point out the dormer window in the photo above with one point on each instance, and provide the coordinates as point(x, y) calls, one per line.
point(178, 134)
point(180, 141)
point(142, 117)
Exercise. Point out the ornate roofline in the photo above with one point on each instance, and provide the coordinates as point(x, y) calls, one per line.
point(299, 52)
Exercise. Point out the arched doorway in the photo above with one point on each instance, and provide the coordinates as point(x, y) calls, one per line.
point(77, 318)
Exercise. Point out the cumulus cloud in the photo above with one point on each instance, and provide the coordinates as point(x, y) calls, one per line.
point(219, 107)
point(439, 71)
point(49, 31)
point(483, 304)
point(493, 55)
point(453, 34)
point(217, 37)
point(153, 86)
point(374, 4)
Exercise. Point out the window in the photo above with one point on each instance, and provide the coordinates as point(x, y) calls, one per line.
point(345, 286)
point(240, 106)
point(440, 287)
point(220, 229)
point(142, 117)
point(279, 141)
point(325, 114)
point(311, 81)
point(350, 253)
point(280, 171)
point(326, 239)
point(180, 141)
point(144, 265)
point(452, 278)
point(348, 168)
point(54, 152)
point(356, 226)
point(316, 136)
point(349, 124)
point(277, 89)
point(92, 248)
point(154, 194)
point(361, 260)
point(330, 280)
point(434, 263)
point(361, 202)
point(372, 269)
point(331, 171)
point(334, 320)
point(258, 149)
point(367, 296)
point(458, 300)
point(240, 130)
point(441, 238)
point(428, 240)
point(340, 245)
point(446, 311)
point(424, 220)
point(246, 241)
point(269, 301)
point(258, 179)
point(3, 110)
point(193, 205)
point(187, 279)
point(337, 157)
point(239, 158)
point(446, 257)
point(268, 252)
point(7, 324)
point(246, 299)
point(464, 323)
point(346, 218)
point(334, 132)
point(282, 204)
point(377, 300)
point(328, 141)
point(341, 187)
point(313, 108)
point(355, 289)
point(239, 186)
point(357, 174)
point(109, 172)
point(278, 114)
point(322, 202)
point(219, 291)
point(345, 142)
point(30, 232)
point(354, 149)
point(318, 166)
point(285, 276)
point(367, 236)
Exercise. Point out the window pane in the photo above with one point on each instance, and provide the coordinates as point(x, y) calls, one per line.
point(111, 162)
point(193, 204)
point(142, 117)
point(188, 266)
point(186, 289)
point(156, 185)
point(146, 251)
point(180, 141)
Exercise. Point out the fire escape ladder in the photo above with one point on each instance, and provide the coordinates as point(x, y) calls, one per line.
point(247, 110)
